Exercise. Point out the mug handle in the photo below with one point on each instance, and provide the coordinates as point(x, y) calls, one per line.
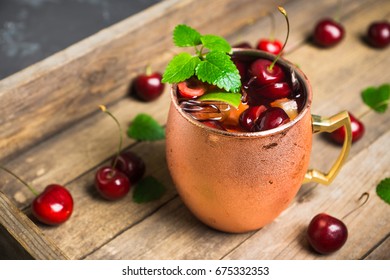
point(321, 124)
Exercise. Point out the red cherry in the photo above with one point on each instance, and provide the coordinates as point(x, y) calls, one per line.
point(271, 46)
point(249, 117)
point(130, 164)
point(378, 34)
point(148, 86)
point(111, 183)
point(326, 234)
point(357, 128)
point(275, 91)
point(260, 68)
point(53, 206)
point(259, 95)
point(328, 33)
point(271, 118)
point(191, 88)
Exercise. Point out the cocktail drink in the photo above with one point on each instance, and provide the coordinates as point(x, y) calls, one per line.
point(239, 132)
point(235, 174)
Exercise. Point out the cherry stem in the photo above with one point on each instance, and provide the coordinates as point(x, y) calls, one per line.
point(148, 70)
point(337, 17)
point(283, 11)
point(366, 195)
point(104, 109)
point(20, 179)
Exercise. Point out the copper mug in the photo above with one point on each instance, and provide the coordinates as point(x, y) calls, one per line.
point(239, 182)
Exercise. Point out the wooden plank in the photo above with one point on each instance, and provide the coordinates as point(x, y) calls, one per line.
point(57, 92)
point(63, 159)
point(26, 233)
point(11, 249)
point(171, 233)
point(382, 252)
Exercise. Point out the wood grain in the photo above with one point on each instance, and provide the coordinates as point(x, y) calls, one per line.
point(74, 138)
point(26, 233)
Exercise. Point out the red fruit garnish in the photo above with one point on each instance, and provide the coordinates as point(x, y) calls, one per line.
point(328, 33)
point(378, 34)
point(271, 46)
point(148, 86)
point(271, 118)
point(111, 183)
point(326, 234)
point(53, 206)
point(130, 164)
point(191, 88)
point(249, 117)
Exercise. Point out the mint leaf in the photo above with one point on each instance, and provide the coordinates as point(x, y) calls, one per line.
point(185, 36)
point(145, 128)
point(215, 43)
point(148, 189)
point(219, 70)
point(215, 67)
point(383, 190)
point(233, 99)
point(377, 98)
point(181, 67)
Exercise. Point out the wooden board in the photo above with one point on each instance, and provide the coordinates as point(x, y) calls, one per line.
point(67, 138)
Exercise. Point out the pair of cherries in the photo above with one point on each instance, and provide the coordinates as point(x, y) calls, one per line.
point(114, 182)
point(328, 33)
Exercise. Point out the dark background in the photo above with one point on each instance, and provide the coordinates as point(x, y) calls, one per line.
point(31, 30)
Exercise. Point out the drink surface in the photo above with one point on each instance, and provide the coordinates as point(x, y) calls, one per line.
point(271, 95)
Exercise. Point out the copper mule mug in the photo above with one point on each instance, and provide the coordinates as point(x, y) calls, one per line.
point(241, 181)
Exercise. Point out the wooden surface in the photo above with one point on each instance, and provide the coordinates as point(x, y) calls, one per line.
point(23, 236)
point(52, 131)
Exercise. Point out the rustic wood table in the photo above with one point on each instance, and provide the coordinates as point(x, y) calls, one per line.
point(51, 130)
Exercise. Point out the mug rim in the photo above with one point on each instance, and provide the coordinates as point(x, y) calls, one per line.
point(283, 62)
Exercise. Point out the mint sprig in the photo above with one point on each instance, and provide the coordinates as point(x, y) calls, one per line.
point(145, 128)
point(185, 36)
point(211, 62)
point(181, 67)
point(383, 190)
point(377, 98)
